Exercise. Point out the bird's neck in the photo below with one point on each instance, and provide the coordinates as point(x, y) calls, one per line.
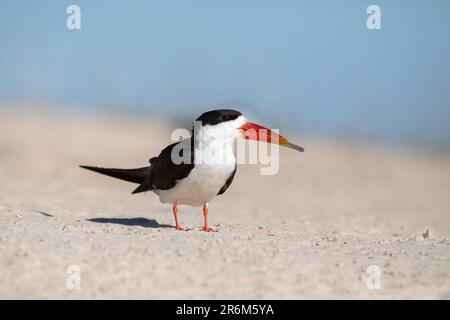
point(214, 147)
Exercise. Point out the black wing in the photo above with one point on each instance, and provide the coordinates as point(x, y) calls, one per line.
point(228, 182)
point(163, 173)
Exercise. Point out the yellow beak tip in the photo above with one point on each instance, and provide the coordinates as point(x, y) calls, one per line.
point(293, 146)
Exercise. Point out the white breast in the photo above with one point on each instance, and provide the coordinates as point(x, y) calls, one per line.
point(200, 186)
point(215, 162)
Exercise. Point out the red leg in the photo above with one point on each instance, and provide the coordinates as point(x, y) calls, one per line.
point(205, 214)
point(175, 213)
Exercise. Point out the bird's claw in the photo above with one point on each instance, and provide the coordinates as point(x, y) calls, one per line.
point(208, 229)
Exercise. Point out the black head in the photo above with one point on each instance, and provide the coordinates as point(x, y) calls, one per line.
point(217, 116)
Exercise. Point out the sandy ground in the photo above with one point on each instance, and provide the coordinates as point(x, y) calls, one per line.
point(309, 232)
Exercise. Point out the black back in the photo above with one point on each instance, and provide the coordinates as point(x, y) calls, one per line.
point(163, 173)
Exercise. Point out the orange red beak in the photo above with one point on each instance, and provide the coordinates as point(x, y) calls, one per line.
point(253, 131)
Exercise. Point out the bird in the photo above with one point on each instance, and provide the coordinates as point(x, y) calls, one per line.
point(195, 170)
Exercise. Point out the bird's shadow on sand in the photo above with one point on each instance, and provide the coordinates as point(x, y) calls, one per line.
point(142, 222)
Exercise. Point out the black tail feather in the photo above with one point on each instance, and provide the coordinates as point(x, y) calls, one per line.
point(146, 186)
point(132, 175)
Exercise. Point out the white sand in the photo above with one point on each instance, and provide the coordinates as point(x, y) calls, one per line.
point(309, 232)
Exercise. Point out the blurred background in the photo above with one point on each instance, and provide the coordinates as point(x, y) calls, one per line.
point(309, 67)
point(371, 108)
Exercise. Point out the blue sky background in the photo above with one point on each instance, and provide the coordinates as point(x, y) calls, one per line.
point(312, 66)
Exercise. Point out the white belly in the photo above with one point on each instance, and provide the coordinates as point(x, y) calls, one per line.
point(200, 186)
point(214, 161)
